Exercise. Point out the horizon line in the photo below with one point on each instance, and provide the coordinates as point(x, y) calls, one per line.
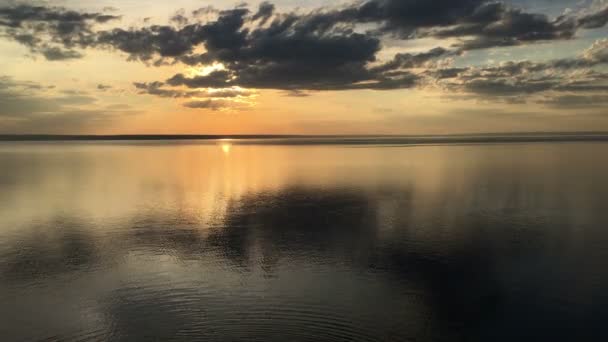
point(493, 137)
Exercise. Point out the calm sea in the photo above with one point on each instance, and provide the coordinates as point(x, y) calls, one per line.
point(234, 241)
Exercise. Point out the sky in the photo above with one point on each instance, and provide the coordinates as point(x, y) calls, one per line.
point(303, 66)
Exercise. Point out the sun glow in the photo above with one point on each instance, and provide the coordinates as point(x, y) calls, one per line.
point(207, 69)
point(226, 148)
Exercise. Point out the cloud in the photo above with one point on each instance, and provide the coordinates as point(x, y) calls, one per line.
point(289, 77)
point(266, 42)
point(504, 79)
point(161, 89)
point(143, 44)
point(179, 18)
point(518, 80)
point(478, 23)
point(156, 88)
point(7, 82)
point(402, 18)
point(322, 50)
point(265, 11)
point(66, 20)
point(207, 104)
point(215, 79)
point(504, 87)
point(296, 93)
point(103, 87)
point(597, 53)
point(210, 98)
point(29, 107)
point(576, 101)
point(495, 24)
point(287, 55)
point(46, 30)
point(203, 11)
point(408, 60)
point(327, 48)
point(595, 19)
point(229, 93)
point(265, 36)
point(58, 54)
point(500, 86)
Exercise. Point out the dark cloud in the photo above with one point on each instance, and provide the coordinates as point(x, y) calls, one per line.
point(215, 79)
point(205, 11)
point(156, 88)
point(320, 50)
point(288, 77)
point(265, 11)
point(408, 60)
point(58, 54)
point(401, 17)
point(497, 24)
point(51, 31)
point(484, 24)
point(439, 74)
point(65, 19)
point(595, 19)
point(286, 55)
point(179, 18)
point(479, 23)
point(505, 79)
point(103, 87)
point(143, 44)
point(223, 36)
point(331, 33)
point(296, 93)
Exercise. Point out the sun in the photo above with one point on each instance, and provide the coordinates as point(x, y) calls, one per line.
point(226, 148)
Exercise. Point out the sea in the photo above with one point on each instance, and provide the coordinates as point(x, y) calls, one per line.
point(358, 239)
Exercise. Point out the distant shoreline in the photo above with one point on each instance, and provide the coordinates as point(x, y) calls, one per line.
point(329, 139)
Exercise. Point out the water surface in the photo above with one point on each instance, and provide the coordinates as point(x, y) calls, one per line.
point(228, 241)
